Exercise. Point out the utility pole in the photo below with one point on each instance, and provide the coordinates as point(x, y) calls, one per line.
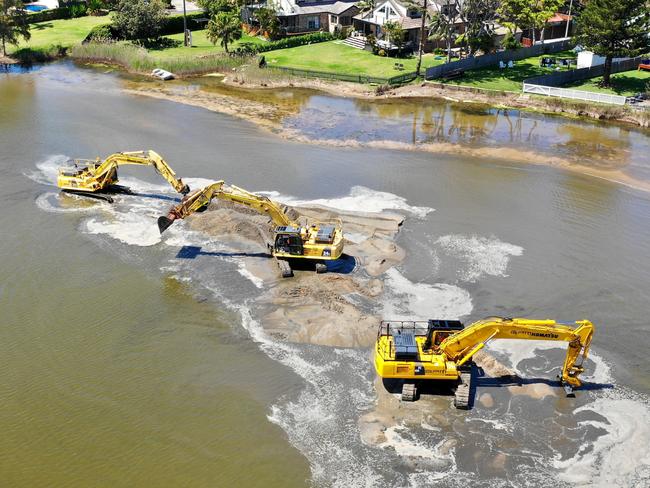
point(566, 33)
point(185, 25)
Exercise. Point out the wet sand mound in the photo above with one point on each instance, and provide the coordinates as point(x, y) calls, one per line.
point(334, 309)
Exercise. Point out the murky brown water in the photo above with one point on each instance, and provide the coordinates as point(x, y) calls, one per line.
point(127, 365)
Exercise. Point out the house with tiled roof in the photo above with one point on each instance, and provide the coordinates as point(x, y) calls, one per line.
point(404, 14)
point(302, 16)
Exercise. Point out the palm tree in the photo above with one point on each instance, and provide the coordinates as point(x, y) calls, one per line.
point(225, 26)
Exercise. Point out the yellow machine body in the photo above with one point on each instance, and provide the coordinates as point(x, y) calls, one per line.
point(437, 349)
point(322, 241)
point(86, 176)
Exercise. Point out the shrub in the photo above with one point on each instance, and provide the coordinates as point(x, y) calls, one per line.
point(173, 24)
point(246, 49)
point(101, 33)
point(139, 19)
point(79, 10)
point(510, 42)
point(30, 55)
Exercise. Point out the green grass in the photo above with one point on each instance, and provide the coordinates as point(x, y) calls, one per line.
point(508, 79)
point(200, 46)
point(627, 84)
point(64, 32)
point(333, 56)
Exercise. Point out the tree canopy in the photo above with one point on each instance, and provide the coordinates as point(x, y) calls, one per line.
point(614, 28)
point(139, 19)
point(13, 23)
point(225, 26)
point(527, 14)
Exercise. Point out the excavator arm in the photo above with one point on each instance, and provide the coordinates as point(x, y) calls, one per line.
point(461, 346)
point(99, 175)
point(199, 200)
point(143, 158)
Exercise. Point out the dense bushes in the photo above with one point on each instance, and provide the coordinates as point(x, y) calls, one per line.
point(103, 32)
point(72, 9)
point(30, 55)
point(174, 23)
point(294, 41)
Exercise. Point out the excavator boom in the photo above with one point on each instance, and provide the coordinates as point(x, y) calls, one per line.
point(199, 200)
point(96, 176)
point(443, 349)
point(317, 241)
point(462, 345)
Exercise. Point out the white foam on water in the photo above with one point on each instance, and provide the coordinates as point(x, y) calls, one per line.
point(360, 199)
point(46, 203)
point(406, 300)
point(621, 457)
point(516, 351)
point(242, 270)
point(395, 439)
point(47, 170)
point(131, 228)
point(495, 423)
point(482, 255)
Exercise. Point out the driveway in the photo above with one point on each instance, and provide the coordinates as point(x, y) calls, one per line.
point(189, 6)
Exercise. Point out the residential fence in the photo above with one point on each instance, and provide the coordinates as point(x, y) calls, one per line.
point(548, 84)
point(491, 60)
point(560, 78)
point(356, 78)
point(587, 96)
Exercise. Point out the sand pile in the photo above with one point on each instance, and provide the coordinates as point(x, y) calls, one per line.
point(333, 309)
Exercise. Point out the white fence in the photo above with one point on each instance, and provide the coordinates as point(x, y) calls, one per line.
point(553, 91)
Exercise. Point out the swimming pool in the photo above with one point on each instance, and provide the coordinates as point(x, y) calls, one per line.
point(35, 8)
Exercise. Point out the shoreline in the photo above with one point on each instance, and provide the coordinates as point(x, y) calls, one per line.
point(266, 116)
point(250, 77)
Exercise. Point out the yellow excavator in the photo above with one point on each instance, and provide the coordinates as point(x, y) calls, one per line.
point(318, 241)
point(434, 350)
point(95, 178)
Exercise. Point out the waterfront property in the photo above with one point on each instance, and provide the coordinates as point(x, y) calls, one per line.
point(299, 17)
point(335, 56)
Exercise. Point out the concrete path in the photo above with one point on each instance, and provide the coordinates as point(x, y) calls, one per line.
point(189, 6)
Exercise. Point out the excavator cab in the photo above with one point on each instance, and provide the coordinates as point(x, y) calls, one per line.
point(288, 240)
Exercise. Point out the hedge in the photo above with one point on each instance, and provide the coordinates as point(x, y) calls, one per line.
point(102, 32)
point(53, 13)
point(285, 43)
point(174, 23)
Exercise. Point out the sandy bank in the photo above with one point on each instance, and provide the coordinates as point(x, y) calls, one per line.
point(269, 116)
point(334, 309)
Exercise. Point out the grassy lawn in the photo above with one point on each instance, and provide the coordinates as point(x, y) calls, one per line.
point(333, 56)
point(627, 83)
point(65, 32)
point(508, 79)
point(200, 46)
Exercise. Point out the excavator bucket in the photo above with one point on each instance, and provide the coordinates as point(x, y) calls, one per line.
point(164, 223)
point(185, 189)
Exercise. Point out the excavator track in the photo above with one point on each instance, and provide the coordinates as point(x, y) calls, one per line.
point(285, 268)
point(464, 390)
point(94, 196)
point(409, 392)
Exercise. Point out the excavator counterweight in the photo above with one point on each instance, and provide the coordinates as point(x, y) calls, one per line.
point(94, 177)
point(433, 350)
point(318, 241)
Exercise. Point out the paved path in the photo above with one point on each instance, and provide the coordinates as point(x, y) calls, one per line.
point(189, 6)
